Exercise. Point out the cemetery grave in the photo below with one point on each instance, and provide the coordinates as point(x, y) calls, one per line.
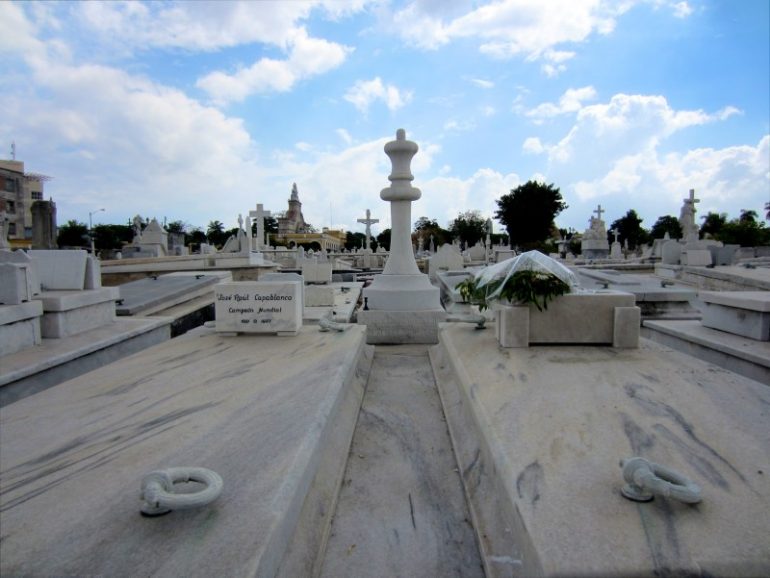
point(403, 444)
point(185, 297)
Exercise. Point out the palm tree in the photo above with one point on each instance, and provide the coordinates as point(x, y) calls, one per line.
point(215, 233)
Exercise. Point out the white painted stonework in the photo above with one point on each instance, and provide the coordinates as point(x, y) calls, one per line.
point(259, 307)
point(60, 270)
point(401, 287)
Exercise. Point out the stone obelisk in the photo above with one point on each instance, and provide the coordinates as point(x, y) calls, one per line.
point(403, 306)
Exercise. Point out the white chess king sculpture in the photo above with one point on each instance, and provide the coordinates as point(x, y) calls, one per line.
point(401, 287)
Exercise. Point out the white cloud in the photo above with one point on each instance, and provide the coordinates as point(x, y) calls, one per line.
point(488, 110)
point(533, 145)
point(197, 26)
point(481, 83)
point(364, 92)
point(17, 33)
point(125, 142)
point(571, 101)
point(555, 60)
point(453, 125)
point(446, 197)
point(682, 10)
point(307, 57)
point(612, 154)
point(509, 28)
point(344, 135)
point(738, 176)
point(626, 125)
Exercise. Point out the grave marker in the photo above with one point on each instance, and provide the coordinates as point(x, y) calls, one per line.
point(368, 221)
point(259, 307)
point(259, 218)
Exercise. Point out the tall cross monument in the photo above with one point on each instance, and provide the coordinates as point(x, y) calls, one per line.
point(259, 218)
point(687, 218)
point(368, 221)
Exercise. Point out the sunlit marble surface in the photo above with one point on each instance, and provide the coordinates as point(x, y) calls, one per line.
point(255, 409)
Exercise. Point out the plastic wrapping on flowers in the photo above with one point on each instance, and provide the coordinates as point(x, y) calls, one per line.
point(531, 277)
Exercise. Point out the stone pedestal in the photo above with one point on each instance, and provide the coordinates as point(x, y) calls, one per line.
point(595, 249)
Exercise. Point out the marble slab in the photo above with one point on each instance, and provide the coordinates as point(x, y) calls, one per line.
point(147, 294)
point(60, 324)
point(14, 283)
point(20, 257)
point(316, 272)
point(573, 318)
point(751, 300)
point(259, 307)
point(319, 296)
point(17, 312)
point(397, 327)
point(739, 354)
point(19, 327)
point(247, 407)
point(745, 313)
point(60, 270)
point(68, 300)
point(540, 433)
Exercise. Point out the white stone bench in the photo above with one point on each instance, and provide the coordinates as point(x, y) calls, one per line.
point(745, 313)
point(602, 317)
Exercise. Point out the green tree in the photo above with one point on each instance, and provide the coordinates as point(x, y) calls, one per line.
point(629, 227)
point(430, 227)
point(666, 224)
point(73, 234)
point(528, 213)
point(215, 233)
point(177, 227)
point(745, 231)
point(470, 227)
point(194, 238)
point(112, 237)
point(355, 241)
point(383, 239)
point(713, 223)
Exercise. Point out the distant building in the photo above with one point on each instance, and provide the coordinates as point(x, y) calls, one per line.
point(293, 230)
point(18, 191)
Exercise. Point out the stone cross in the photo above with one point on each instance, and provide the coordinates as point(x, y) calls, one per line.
point(240, 221)
point(259, 218)
point(615, 234)
point(599, 212)
point(368, 221)
point(687, 218)
point(692, 200)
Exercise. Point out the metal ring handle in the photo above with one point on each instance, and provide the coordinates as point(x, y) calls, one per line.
point(158, 490)
point(645, 479)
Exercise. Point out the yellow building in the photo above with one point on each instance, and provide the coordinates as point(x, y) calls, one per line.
point(294, 231)
point(18, 190)
point(330, 240)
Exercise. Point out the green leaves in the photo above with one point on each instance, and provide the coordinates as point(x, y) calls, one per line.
point(526, 286)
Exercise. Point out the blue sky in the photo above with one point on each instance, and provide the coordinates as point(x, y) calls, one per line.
point(196, 111)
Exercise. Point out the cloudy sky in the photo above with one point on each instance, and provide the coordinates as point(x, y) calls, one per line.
point(196, 111)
